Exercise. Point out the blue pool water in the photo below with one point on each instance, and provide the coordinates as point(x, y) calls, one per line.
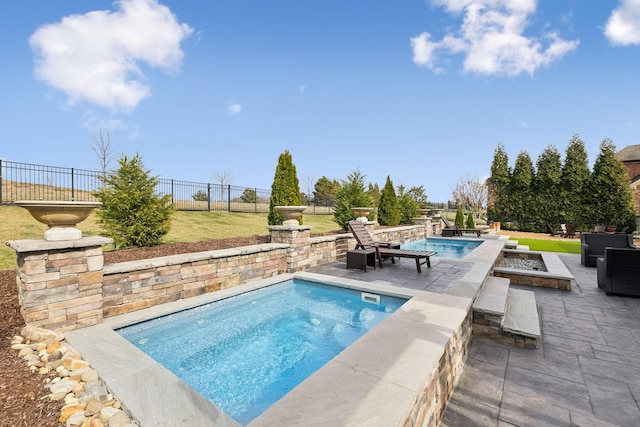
point(450, 248)
point(246, 352)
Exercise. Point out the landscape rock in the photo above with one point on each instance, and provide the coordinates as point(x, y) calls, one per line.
point(87, 401)
point(41, 335)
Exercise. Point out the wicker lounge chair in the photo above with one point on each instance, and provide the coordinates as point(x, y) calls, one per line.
point(383, 250)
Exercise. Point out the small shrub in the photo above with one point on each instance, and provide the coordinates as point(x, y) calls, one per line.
point(132, 214)
point(470, 223)
point(285, 190)
point(351, 194)
point(200, 196)
point(388, 208)
point(459, 221)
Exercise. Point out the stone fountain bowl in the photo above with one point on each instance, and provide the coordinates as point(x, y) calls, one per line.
point(60, 216)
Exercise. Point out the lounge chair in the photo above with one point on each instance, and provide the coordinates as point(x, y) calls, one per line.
point(454, 230)
point(623, 230)
point(611, 229)
point(553, 231)
point(383, 250)
point(569, 230)
point(599, 229)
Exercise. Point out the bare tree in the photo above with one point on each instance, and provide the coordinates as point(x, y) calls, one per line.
point(104, 151)
point(472, 194)
point(224, 179)
point(309, 183)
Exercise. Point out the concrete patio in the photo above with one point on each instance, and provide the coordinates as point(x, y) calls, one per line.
point(585, 372)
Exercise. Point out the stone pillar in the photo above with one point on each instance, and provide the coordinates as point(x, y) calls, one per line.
point(437, 224)
point(60, 282)
point(298, 237)
point(426, 223)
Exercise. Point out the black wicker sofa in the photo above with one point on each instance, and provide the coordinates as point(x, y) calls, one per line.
point(593, 245)
point(619, 271)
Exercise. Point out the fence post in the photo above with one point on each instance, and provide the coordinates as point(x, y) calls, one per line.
point(1, 181)
point(172, 201)
point(73, 190)
point(208, 197)
point(228, 197)
point(255, 200)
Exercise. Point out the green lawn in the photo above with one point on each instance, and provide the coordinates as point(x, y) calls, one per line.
point(550, 245)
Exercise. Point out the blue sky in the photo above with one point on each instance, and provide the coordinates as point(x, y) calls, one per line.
point(419, 90)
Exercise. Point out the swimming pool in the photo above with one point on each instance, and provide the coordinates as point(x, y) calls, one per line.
point(245, 352)
point(449, 248)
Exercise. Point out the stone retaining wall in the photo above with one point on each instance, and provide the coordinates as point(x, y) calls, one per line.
point(64, 285)
point(429, 405)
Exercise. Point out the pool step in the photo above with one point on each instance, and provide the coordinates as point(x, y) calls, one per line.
point(511, 244)
point(506, 315)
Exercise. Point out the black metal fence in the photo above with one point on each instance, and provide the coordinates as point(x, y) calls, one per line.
point(24, 181)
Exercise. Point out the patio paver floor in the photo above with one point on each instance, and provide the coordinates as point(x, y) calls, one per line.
point(585, 372)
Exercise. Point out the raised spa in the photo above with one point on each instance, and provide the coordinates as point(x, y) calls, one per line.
point(445, 248)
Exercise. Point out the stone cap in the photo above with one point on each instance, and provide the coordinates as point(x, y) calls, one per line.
point(39, 245)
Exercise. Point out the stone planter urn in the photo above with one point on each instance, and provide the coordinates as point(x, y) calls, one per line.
point(362, 212)
point(61, 216)
point(423, 212)
point(290, 214)
point(436, 212)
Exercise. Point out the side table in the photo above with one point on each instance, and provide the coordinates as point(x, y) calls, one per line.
point(360, 258)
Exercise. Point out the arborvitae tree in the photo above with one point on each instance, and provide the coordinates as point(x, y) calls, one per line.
point(408, 206)
point(388, 208)
point(459, 221)
point(351, 194)
point(325, 191)
point(374, 192)
point(545, 204)
point(520, 191)
point(132, 213)
point(575, 202)
point(498, 206)
point(285, 190)
point(470, 223)
point(610, 189)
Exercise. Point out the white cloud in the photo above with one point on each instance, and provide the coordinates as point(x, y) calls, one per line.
point(302, 89)
point(96, 123)
point(234, 108)
point(623, 26)
point(491, 37)
point(96, 56)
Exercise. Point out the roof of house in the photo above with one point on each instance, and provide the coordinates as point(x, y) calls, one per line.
point(630, 153)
